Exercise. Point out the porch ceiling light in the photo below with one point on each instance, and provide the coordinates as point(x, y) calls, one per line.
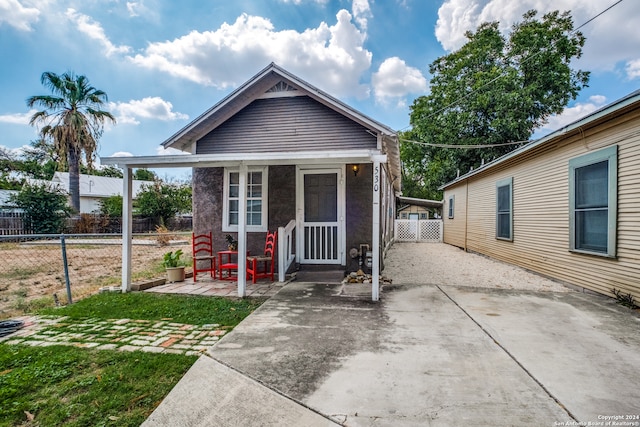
point(356, 169)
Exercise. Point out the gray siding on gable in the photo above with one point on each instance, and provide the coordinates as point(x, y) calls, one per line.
point(286, 124)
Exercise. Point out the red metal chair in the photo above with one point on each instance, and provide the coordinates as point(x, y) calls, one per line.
point(202, 248)
point(262, 266)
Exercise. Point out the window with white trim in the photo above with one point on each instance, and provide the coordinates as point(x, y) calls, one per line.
point(504, 209)
point(256, 199)
point(452, 200)
point(593, 199)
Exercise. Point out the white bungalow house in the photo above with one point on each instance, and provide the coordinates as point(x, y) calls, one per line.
point(93, 188)
point(280, 154)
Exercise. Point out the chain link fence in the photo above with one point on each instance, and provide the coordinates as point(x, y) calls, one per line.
point(32, 270)
point(12, 223)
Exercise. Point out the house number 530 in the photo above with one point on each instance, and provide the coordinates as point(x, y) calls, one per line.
point(376, 178)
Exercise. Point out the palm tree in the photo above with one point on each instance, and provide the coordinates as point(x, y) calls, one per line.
point(71, 117)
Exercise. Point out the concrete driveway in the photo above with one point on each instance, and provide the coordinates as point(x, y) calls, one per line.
point(425, 355)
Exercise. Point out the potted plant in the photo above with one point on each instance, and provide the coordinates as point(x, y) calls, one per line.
point(232, 243)
point(174, 266)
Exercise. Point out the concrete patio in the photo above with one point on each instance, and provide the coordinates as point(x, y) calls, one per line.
point(428, 354)
point(207, 286)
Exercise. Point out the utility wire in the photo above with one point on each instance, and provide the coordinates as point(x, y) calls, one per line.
point(430, 144)
point(524, 61)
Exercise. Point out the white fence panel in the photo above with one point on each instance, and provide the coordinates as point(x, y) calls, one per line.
point(426, 230)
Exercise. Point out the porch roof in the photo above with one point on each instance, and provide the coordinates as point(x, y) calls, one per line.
point(233, 159)
point(420, 202)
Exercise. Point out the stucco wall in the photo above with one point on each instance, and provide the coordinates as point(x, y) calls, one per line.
point(207, 205)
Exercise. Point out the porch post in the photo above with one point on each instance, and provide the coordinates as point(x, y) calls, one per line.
point(375, 238)
point(242, 232)
point(127, 219)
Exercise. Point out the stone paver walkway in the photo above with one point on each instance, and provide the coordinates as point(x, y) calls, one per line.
point(119, 334)
point(211, 287)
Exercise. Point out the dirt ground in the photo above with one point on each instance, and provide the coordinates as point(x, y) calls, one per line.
point(31, 273)
point(442, 264)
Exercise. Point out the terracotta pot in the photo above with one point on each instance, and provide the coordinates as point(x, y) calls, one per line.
point(175, 274)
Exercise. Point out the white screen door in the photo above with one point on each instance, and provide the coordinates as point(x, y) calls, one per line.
point(321, 236)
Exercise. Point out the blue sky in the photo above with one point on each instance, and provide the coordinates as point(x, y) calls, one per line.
point(162, 63)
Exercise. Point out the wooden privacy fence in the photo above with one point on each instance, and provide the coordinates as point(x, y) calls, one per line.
point(11, 223)
point(424, 230)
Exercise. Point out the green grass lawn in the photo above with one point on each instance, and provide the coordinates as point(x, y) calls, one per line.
point(63, 385)
point(192, 309)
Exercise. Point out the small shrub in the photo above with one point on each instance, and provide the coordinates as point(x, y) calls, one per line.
point(624, 299)
point(164, 237)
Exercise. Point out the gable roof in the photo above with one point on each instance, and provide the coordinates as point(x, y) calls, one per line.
point(608, 112)
point(261, 83)
point(273, 79)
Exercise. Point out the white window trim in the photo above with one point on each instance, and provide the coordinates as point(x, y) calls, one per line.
point(226, 227)
point(507, 182)
point(611, 155)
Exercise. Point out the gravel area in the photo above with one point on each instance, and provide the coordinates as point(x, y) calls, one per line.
point(442, 264)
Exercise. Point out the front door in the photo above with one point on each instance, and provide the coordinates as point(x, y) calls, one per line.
point(321, 217)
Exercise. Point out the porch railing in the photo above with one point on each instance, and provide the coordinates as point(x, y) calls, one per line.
point(320, 240)
point(286, 253)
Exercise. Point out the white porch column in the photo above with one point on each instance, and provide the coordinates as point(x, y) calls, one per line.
point(375, 238)
point(242, 232)
point(127, 219)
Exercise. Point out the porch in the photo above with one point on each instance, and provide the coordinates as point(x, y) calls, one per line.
point(218, 288)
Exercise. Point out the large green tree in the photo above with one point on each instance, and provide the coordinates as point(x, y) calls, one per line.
point(73, 120)
point(496, 89)
point(34, 162)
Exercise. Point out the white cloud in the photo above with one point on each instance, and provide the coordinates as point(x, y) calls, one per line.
point(13, 13)
point(633, 69)
point(395, 79)
point(135, 8)
point(122, 154)
point(331, 57)
point(146, 108)
point(571, 114)
point(13, 153)
point(610, 39)
point(17, 118)
point(361, 12)
point(161, 151)
point(95, 31)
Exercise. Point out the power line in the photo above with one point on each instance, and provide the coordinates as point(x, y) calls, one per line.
point(430, 144)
